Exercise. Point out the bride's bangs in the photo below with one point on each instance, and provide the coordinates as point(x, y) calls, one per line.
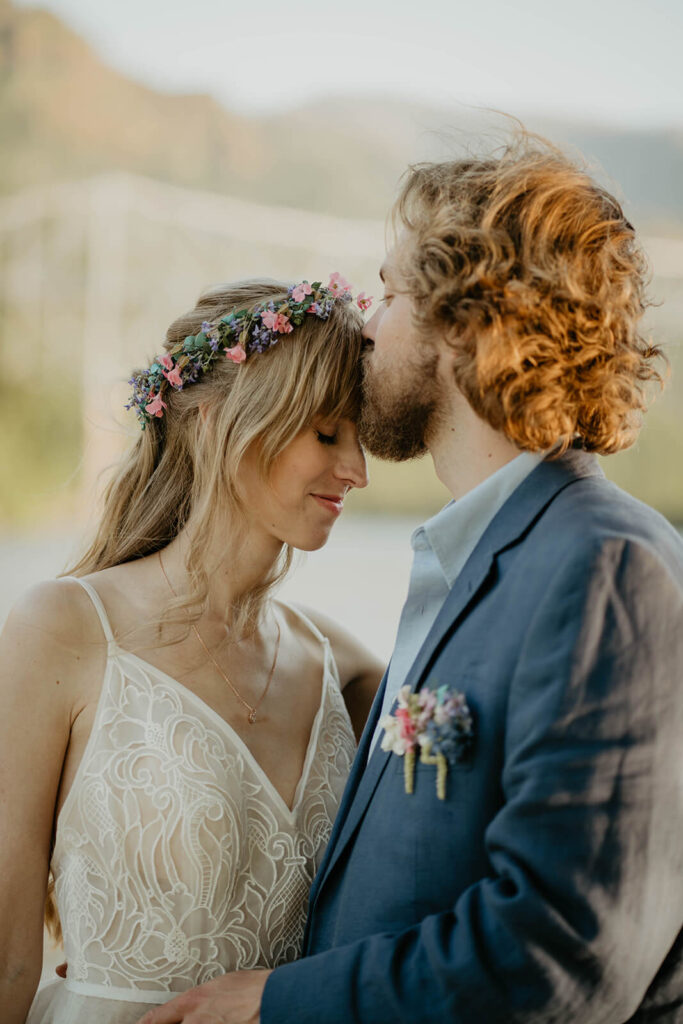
point(337, 373)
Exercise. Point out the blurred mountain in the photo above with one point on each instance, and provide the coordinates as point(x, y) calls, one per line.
point(65, 114)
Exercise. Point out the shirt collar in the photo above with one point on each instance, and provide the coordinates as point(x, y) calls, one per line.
point(454, 532)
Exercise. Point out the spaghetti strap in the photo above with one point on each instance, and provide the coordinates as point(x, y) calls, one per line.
point(307, 622)
point(99, 607)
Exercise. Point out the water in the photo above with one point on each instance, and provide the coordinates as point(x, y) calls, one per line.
point(360, 578)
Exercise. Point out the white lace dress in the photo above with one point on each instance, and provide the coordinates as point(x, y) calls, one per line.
point(175, 858)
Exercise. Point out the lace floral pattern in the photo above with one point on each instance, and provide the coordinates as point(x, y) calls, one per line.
point(175, 859)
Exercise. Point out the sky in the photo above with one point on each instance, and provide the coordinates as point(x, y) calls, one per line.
point(615, 62)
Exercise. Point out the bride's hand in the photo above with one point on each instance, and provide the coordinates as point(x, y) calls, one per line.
point(232, 999)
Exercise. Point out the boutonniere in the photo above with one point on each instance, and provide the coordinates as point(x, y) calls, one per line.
point(438, 723)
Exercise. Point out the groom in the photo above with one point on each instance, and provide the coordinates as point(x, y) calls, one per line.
point(544, 881)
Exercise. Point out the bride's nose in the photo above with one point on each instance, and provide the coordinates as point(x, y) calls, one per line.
point(351, 465)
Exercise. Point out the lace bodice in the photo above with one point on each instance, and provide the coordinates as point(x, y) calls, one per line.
point(175, 858)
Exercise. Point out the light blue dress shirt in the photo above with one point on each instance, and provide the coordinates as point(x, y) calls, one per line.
point(441, 548)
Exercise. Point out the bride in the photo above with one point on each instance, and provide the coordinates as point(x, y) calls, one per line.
point(174, 741)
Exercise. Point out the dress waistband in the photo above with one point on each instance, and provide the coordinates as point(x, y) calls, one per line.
point(127, 995)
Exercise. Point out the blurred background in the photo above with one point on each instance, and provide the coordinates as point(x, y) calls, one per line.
point(149, 150)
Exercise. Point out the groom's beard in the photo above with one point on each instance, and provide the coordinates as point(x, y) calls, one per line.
point(396, 415)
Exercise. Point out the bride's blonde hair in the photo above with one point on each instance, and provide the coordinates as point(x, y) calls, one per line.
point(186, 463)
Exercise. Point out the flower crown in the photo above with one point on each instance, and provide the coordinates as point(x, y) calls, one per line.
point(236, 337)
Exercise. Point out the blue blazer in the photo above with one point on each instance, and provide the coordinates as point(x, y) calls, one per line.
point(548, 885)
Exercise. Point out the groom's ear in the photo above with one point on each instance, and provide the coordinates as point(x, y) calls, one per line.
point(449, 342)
point(450, 346)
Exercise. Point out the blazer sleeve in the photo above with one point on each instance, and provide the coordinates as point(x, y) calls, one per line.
point(584, 897)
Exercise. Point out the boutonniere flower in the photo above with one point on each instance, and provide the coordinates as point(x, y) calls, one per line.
point(438, 723)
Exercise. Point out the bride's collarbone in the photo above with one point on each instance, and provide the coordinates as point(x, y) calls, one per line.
point(279, 738)
point(284, 713)
point(284, 716)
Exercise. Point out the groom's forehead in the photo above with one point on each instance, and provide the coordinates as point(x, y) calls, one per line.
point(390, 268)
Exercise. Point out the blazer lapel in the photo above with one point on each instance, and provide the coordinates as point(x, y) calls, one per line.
point(511, 523)
point(358, 771)
point(463, 593)
point(354, 810)
point(365, 782)
point(514, 519)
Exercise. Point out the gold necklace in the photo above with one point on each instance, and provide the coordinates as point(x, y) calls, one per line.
point(252, 709)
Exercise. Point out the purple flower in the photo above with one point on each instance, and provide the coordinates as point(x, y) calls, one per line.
point(323, 309)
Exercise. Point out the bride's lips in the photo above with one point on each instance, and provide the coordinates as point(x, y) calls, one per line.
point(332, 502)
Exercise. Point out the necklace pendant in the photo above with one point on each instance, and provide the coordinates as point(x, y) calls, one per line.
point(252, 716)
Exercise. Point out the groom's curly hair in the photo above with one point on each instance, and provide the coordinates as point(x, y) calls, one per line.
point(536, 276)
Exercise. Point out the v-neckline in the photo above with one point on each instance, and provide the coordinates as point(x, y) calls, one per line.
point(290, 812)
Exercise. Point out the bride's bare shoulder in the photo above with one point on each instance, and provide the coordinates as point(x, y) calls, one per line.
point(360, 670)
point(52, 616)
point(353, 658)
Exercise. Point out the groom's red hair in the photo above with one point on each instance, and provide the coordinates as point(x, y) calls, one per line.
point(536, 274)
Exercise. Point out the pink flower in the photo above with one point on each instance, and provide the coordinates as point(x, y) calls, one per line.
point(236, 354)
point(156, 406)
point(338, 284)
point(173, 377)
point(364, 302)
point(166, 361)
point(282, 324)
point(301, 291)
point(407, 725)
point(277, 322)
point(426, 700)
point(269, 318)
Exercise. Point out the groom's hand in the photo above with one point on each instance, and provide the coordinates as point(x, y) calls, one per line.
point(232, 999)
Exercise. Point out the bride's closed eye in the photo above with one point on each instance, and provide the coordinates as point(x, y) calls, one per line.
point(326, 438)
